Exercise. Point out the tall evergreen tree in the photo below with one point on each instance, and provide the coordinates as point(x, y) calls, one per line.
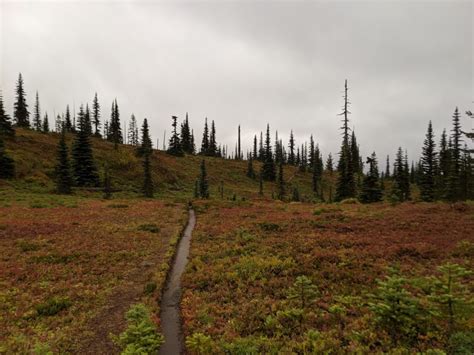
point(205, 139)
point(387, 168)
point(255, 149)
point(133, 137)
point(37, 125)
point(87, 118)
point(174, 146)
point(261, 151)
point(443, 166)
point(401, 181)
point(45, 127)
point(21, 113)
point(114, 130)
point(7, 165)
point(466, 175)
point(239, 149)
point(67, 120)
point(329, 163)
point(84, 169)
point(371, 190)
point(346, 183)
point(203, 182)
point(212, 151)
point(454, 188)
point(96, 116)
point(268, 167)
point(281, 183)
point(5, 121)
point(186, 136)
point(291, 153)
point(428, 164)
point(250, 170)
point(146, 146)
point(148, 187)
point(355, 155)
point(64, 179)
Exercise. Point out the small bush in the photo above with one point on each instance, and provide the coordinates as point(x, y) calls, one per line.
point(53, 306)
point(269, 227)
point(26, 246)
point(152, 228)
point(150, 287)
point(199, 343)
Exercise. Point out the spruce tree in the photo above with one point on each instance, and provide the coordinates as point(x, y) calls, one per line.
point(281, 183)
point(21, 113)
point(255, 148)
point(84, 169)
point(87, 119)
point(329, 163)
point(428, 165)
point(186, 136)
point(212, 151)
point(268, 167)
point(443, 166)
point(291, 153)
point(174, 146)
point(114, 130)
point(239, 149)
point(64, 179)
point(453, 188)
point(5, 121)
point(45, 128)
point(261, 151)
point(146, 146)
point(147, 180)
point(466, 175)
point(37, 125)
point(400, 186)
point(355, 155)
point(67, 120)
point(7, 165)
point(205, 139)
point(250, 170)
point(203, 182)
point(371, 190)
point(387, 168)
point(133, 138)
point(96, 116)
point(346, 183)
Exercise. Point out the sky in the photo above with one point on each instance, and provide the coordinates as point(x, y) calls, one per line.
point(250, 63)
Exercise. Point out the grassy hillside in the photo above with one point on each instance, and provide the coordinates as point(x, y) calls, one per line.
point(35, 157)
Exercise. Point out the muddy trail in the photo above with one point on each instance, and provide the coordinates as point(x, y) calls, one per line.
point(170, 314)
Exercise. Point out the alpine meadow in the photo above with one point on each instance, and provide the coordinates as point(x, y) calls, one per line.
point(205, 177)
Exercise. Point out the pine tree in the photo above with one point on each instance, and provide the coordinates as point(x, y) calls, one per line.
point(239, 149)
point(5, 121)
point(346, 183)
point(203, 183)
point(64, 179)
point(174, 147)
point(7, 165)
point(107, 183)
point(250, 170)
point(355, 155)
point(291, 146)
point(444, 166)
point(84, 169)
point(114, 130)
point(205, 139)
point(371, 190)
point(87, 119)
point(186, 136)
point(45, 128)
point(317, 171)
point(453, 188)
point(406, 177)
point(268, 167)
point(146, 146)
point(329, 163)
point(133, 138)
point(261, 151)
point(67, 122)
point(96, 116)
point(148, 180)
point(21, 113)
point(37, 125)
point(387, 168)
point(466, 175)
point(428, 164)
point(281, 183)
point(401, 183)
point(212, 151)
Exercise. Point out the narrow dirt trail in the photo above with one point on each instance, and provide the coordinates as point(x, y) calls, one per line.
point(170, 314)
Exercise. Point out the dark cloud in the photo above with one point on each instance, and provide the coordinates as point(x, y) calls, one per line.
point(250, 63)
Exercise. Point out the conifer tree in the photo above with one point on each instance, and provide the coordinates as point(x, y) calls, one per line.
point(291, 153)
point(148, 187)
point(387, 168)
point(7, 165)
point(268, 167)
point(329, 163)
point(261, 151)
point(346, 183)
point(58, 124)
point(114, 130)
point(5, 121)
point(281, 183)
point(193, 145)
point(444, 166)
point(212, 151)
point(466, 175)
point(64, 179)
point(355, 156)
point(205, 139)
point(84, 169)
point(67, 120)
point(174, 147)
point(203, 183)
point(96, 116)
point(428, 164)
point(186, 136)
point(146, 146)
point(133, 137)
point(21, 113)
point(37, 125)
point(317, 171)
point(453, 188)
point(45, 128)
point(250, 170)
point(87, 119)
point(401, 183)
point(239, 149)
point(371, 190)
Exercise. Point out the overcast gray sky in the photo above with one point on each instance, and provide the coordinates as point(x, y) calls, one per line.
point(249, 63)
